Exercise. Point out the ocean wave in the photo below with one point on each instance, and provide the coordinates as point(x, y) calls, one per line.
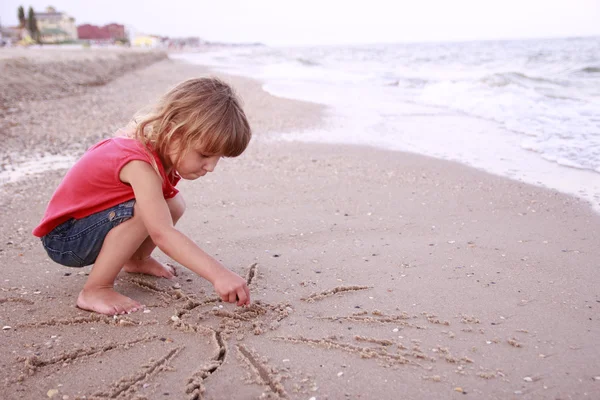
point(408, 82)
point(590, 70)
point(573, 152)
point(518, 78)
point(543, 94)
point(307, 62)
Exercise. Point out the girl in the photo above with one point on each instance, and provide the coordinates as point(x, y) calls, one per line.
point(119, 201)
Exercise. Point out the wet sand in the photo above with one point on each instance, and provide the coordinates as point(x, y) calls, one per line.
point(374, 274)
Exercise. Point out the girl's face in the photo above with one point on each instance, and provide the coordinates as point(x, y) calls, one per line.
point(194, 163)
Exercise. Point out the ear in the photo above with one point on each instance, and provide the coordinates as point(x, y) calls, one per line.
point(176, 140)
point(178, 133)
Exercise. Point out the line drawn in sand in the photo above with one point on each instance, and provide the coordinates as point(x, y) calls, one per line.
point(265, 373)
point(208, 319)
point(195, 384)
point(124, 388)
point(331, 292)
point(34, 363)
point(16, 300)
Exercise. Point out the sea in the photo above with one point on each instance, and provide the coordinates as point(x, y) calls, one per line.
point(528, 110)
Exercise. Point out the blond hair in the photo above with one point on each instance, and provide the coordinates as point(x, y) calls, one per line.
point(199, 111)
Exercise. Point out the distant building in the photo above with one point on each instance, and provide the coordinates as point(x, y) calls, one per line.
point(150, 41)
point(107, 33)
point(55, 26)
point(11, 34)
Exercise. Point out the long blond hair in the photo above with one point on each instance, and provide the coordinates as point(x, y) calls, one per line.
point(199, 111)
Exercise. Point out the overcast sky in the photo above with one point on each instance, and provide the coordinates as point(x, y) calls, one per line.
point(334, 21)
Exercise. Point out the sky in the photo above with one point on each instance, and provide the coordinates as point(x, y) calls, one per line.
point(314, 22)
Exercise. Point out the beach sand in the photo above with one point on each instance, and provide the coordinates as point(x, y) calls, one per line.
point(374, 274)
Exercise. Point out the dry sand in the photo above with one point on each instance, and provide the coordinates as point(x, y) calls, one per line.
point(374, 274)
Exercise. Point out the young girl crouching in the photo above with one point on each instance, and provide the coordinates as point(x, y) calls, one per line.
point(119, 201)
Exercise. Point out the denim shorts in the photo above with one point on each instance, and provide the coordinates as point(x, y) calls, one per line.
point(77, 242)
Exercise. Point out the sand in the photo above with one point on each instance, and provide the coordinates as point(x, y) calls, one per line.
point(30, 74)
point(373, 274)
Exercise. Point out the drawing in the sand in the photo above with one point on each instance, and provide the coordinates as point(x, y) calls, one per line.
point(227, 332)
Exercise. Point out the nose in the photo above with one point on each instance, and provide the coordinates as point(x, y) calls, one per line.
point(211, 163)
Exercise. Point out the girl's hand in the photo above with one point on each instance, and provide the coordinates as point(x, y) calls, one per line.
point(231, 287)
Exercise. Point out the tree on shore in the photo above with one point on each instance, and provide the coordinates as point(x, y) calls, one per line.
point(32, 25)
point(21, 15)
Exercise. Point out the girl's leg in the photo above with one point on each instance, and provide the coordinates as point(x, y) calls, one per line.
point(123, 242)
point(142, 262)
point(120, 243)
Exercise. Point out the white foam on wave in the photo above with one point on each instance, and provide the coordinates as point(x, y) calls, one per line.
point(373, 117)
point(560, 128)
point(459, 138)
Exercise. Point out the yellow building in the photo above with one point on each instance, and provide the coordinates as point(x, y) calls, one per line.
point(55, 26)
point(146, 41)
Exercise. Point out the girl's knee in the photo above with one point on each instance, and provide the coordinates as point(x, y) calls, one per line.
point(177, 207)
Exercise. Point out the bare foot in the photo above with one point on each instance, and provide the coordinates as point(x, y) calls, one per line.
point(149, 266)
point(106, 301)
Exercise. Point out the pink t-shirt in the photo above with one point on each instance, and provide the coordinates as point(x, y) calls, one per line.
point(93, 183)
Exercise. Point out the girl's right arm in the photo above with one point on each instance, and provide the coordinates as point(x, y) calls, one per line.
point(155, 214)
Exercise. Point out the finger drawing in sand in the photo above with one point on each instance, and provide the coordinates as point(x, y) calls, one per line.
point(119, 201)
point(401, 340)
point(216, 324)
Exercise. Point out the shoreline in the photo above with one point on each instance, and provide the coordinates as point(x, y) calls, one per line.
point(47, 163)
point(377, 272)
point(50, 57)
point(24, 165)
point(475, 141)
